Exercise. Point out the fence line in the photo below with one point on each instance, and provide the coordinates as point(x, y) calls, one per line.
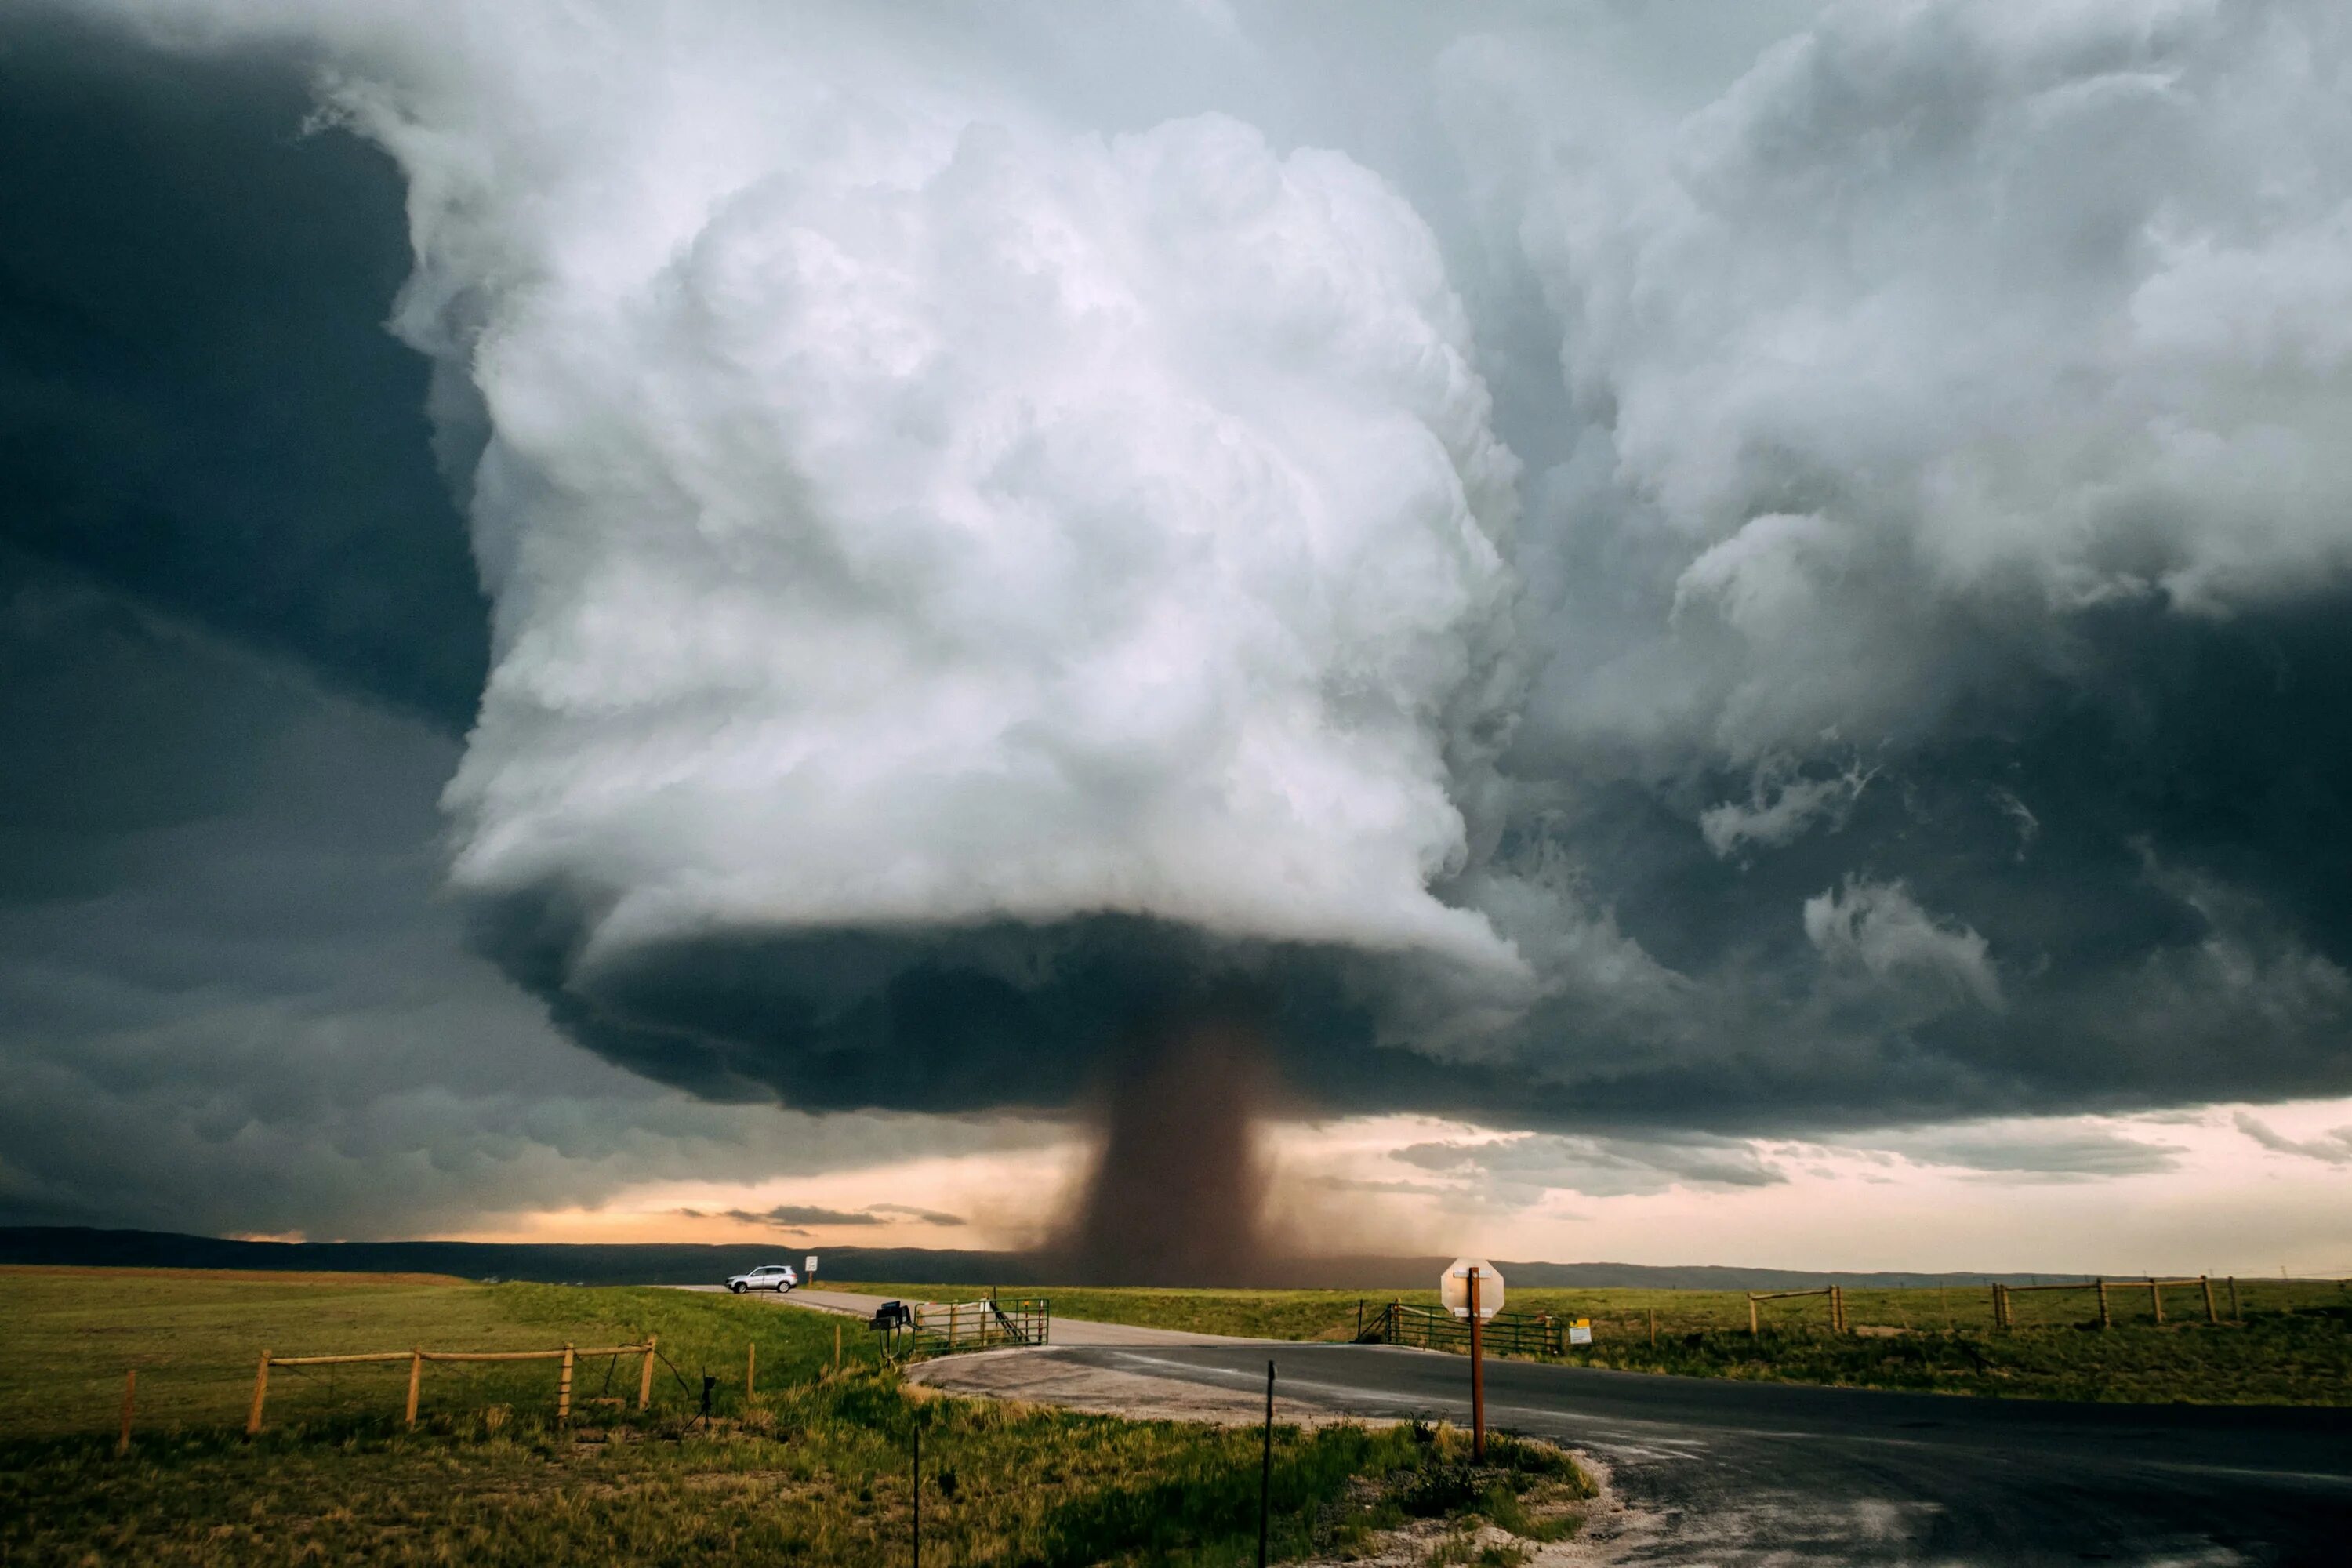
point(417, 1357)
point(1836, 1294)
point(2005, 1317)
point(1435, 1328)
point(942, 1326)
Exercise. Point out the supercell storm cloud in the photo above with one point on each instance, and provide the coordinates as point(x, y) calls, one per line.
point(1585, 579)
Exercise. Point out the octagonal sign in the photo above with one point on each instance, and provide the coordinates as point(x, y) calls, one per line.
point(1453, 1287)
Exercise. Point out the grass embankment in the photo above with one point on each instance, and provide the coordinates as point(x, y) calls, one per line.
point(814, 1467)
point(2293, 1345)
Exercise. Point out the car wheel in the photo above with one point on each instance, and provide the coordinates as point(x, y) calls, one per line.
point(737, 1288)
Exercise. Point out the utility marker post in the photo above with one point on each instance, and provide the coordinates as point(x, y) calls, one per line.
point(1266, 1470)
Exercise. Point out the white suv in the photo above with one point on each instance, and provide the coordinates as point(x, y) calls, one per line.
point(776, 1277)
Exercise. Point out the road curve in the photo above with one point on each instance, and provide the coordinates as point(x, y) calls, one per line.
point(1735, 1473)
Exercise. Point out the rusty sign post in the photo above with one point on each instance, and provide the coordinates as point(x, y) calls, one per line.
point(1471, 1287)
point(1477, 1380)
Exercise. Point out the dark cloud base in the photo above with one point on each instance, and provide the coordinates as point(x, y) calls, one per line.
point(1008, 1014)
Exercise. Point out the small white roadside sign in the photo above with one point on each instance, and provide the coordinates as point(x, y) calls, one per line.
point(1579, 1332)
point(812, 1265)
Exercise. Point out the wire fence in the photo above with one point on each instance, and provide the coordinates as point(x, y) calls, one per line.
point(1436, 1329)
point(2219, 1302)
point(417, 1358)
point(939, 1328)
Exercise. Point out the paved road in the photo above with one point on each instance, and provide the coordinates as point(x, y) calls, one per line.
point(1737, 1473)
point(1065, 1331)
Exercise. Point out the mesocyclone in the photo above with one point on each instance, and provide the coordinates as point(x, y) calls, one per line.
point(961, 582)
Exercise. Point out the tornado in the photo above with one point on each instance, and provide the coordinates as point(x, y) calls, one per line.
point(1178, 1188)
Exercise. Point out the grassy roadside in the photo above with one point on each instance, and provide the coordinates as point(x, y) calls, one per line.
point(2294, 1345)
point(813, 1467)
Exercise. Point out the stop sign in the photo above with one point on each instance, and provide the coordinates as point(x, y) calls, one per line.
point(1453, 1287)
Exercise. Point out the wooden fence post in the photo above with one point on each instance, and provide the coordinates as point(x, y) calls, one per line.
point(1752, 1330)
point(260, 1391)
point(2156, 1299)
point(130, 1394)
point(751, 1371)
point(2206, 1280)
point(1995, 1304)
point(2233, 1298)
point(564, 1389)
point(837, 1345)
point(416, 1378)
point(2107, 1317)
point(646, 1374)
point(1653, 1327)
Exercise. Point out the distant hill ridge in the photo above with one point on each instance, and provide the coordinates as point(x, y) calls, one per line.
point(690, 1263)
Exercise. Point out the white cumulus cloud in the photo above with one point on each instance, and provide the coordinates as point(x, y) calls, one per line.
point(902, 509)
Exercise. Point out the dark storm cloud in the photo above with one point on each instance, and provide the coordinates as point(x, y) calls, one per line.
point(229, 997)
point(799, 1216)
point(1521, 1169)
point(1904, 682)
point(2333, 1147)
point(795, 1216)
point(198, 401)
point(2171, 932)
point(922, 1215)
point(2031, 1153)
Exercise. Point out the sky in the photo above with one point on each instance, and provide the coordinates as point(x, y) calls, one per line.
point(1724, 628)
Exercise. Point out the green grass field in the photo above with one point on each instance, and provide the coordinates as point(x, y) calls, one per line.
point(814, 1467)
point(2291, 1346)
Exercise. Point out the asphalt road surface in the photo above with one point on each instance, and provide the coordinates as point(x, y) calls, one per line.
point(1737, 1473)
